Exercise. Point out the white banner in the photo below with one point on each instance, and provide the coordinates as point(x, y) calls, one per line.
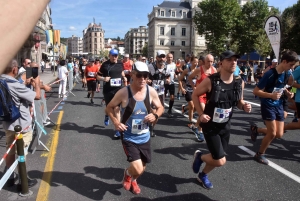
point(273, 31)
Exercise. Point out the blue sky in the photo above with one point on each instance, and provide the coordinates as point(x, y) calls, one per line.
point(116, 16)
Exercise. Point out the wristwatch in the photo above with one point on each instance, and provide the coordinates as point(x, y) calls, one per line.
point(156, 116)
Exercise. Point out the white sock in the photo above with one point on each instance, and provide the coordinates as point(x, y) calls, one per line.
point(128, 173)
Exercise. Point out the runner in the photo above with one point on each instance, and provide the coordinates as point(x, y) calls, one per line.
point(158, 72)
point(270, 90)
point(177, 73)
point(98, 65)
point(127, 67)
point(189, 89)
point(170, 85)
point(134, 126)
point(90, 74)
point(111, 73)
point(223, 91)
point(205, 69)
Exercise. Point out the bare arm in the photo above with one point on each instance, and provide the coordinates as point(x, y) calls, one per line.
point(25, 21)
point(180, 80)
point(202, 88)
point(262, 94)
point(156, 102)
point(195, 73)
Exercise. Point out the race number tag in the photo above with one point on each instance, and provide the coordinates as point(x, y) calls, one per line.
point(91, 74)
point(245, 73)
point(221, 115)
point(277, 90)
point(126, 72)
point(115, 82)
point(83, 67)
point(139, 127)
point(159, 88)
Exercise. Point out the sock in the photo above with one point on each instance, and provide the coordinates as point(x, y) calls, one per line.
point(128, 173)
point(106, 116)
point(171, 103)
point(260, 153)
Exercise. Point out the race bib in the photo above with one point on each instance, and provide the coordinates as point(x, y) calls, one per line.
point(159, 88)
point(91, 74)
point(115, 82)
point(245, 73)
point(83, 67)
point(277, 90)
point(126, 72)
point(139, 127)
point(221, 115)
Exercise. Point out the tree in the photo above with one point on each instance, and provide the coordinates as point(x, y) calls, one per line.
point(103, 53)
point(145, 50)
point(216, 21)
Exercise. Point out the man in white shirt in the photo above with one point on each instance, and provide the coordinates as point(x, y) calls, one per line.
point(63, 75)
point(169, 82)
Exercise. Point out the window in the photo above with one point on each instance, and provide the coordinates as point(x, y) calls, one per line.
point(173, 31)
point(162, 13)
point(183, 43)
point(90, 34)
point(183, 31)
point(95, 40)
point(96, 34)
point(172, 43)
point(173, 13)
point(95, 46)
point(162, 31)
point(184, 14)
point(183, 55)
point(161, 42)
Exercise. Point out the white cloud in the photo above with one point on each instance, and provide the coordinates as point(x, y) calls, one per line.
point(71, 28)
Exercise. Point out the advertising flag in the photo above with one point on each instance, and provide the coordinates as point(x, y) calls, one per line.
point(273, 31)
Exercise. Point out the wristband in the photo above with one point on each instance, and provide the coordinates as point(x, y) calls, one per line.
point(155, 115)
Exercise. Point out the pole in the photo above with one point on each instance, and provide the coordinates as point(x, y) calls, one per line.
point(21, 163)
point(53, 52)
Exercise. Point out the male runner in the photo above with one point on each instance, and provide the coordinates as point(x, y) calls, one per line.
point(90, 74)
point(135, 101)
point(223, 92)
point(170, 85)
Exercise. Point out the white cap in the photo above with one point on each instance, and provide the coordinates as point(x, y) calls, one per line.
point(140, 67)
point(126, 55)
point(160, 52)
point(21, 71)
point(144, 58)
point(274, 60)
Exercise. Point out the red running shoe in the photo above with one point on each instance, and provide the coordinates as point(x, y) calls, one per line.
point(135, 187)
point(126, 181)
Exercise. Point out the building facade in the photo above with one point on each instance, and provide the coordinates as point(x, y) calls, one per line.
point(93, 39)
point(135, 40)
point(75, 46)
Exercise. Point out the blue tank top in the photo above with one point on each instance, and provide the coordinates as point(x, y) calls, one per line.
point(133, 117)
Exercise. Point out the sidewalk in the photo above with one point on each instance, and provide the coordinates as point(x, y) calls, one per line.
point(47, 77)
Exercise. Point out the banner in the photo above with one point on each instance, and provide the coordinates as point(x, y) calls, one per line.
point(273, 31)
point(57, 37)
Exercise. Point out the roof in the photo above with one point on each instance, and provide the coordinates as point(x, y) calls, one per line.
point(177, 6)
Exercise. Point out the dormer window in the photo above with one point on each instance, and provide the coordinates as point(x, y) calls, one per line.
point(184, 14)
point(162, 13)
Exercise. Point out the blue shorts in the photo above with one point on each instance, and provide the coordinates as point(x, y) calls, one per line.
point(271, 113)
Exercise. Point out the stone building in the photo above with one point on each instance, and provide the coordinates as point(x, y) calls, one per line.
point(93, 39)
point(75, 46)
point(135, 40)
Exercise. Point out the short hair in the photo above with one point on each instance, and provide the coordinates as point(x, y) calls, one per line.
point(290, 56)
point(13, 63)
point(202, 58)
point(193, 58)
point(62, 62)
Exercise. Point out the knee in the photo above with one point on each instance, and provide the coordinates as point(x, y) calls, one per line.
point(279, 134)
point(220, 162)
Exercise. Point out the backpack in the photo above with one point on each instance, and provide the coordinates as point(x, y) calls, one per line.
point(8, 109)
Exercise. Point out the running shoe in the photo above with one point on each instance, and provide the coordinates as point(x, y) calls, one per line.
point(92, 101)
point(170, 114)
point(88, 95)
point(183, 109)
point(203, 178)
point(135, 187)
point(295, 120)
point(197, 162)
point(117, 134)
point(199, 135)
point(106, 120)
point(261, 158)
point(191, 125)
point(254, 132)
point(126, 181)
point(178, 96)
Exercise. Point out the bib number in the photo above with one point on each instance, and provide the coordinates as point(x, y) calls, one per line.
point(83, 67)
point(115, 82)
point(221, 115)
point(91, 74)
point(159, 88)
point(139, 127)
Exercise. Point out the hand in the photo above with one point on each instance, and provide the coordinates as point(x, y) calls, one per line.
point(288, 93)
point(47, 88)
point(149, 81)
point(28, 81)
point(247, 107)
point(106, 79)
point(149, 118)
point(204, 118)
point(120, 127)
point(183, 91)
point(37, 80)
point(276, 95)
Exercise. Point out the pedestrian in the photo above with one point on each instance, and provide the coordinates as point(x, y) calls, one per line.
point(90, 75)
point(63, 77)
point(22, 97)
point(223, 92)
point(135, 101)
point(271, 89)
point(42, 64)
point(112, 75)
point(127, 67)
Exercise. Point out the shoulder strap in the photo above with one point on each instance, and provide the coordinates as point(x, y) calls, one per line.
point(147, 100)
point(129, 108)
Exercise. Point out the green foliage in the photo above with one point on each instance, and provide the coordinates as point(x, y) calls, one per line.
point(216, 21)
point(145, 50)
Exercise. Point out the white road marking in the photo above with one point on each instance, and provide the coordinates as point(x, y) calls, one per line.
point(275, 166)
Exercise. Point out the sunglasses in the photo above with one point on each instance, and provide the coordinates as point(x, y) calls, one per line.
point(140, 75)
point(162, 56)
point(114, 55)
point(28, 63)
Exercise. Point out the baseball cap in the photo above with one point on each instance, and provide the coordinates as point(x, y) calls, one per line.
point(188, 55)
point(140, 67)
point(161, 52)
point(97, 59)
point(126, 55)
point(228, 54)
point(143, 58)
point(91, 59)
point(113, 52)
point(274, 60)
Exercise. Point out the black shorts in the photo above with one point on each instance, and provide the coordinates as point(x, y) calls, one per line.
point(217, 144)
point(170, 88)
point(91, 85)
point(128, 77)
point(188, 96)
point(137, 151)
point(298, 109)
point(109, 96)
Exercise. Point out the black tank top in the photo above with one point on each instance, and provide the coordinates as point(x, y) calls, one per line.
point(113, 70)
point(229, 95)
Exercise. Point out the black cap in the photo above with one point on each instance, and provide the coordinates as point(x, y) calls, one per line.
point(91, 59)
point(97, 59)
point(228, 54)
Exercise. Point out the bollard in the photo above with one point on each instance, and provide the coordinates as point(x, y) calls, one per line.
point(21, 163)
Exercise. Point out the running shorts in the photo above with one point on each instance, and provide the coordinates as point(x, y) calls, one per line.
point(137, 151)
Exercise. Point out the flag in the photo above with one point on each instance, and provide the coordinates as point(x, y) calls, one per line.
point(273, 31)
point(57, 37)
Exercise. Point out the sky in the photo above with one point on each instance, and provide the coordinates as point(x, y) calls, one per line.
point(116, 16)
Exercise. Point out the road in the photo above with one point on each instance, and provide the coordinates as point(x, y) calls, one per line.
point(86, 163)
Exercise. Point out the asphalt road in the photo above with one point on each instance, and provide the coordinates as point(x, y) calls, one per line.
point(88, 164)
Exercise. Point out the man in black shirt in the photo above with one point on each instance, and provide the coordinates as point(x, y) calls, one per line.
point(112, 74)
